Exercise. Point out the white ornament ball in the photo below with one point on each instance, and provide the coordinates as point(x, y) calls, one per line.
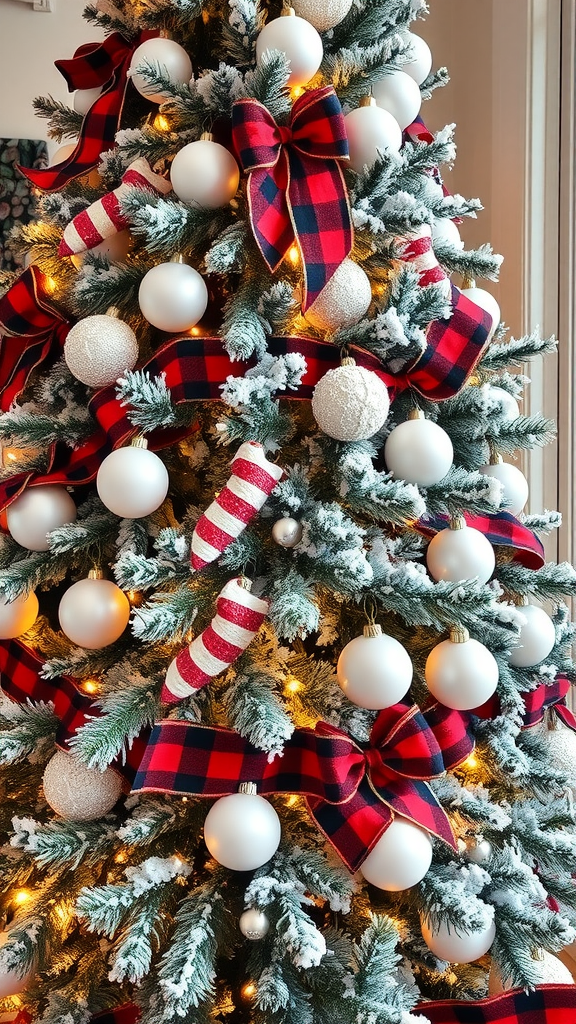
point(537, 638)
point(446, 232)
point(343, 301)
point(85, 98)
point(551, 971)
point(78, 793)
point(132, 482)
point(507, 402)
point(461, 676)
point(561, 744)
point(287, 532)
point(94, 613)
point(99, 349)
point(115, 248)
point(254, 924)
point(487, 302)
point(479, 851)
point(350, 403)
point(173, 297)
point(37, 512)
point(242, 831)
point(400, 858)
point(420, 65)
point(323, 14)
point(173, 61)
point(419, 452)
point(299, 40)
point(371, 131)
point(11, 982)
point(399, 94)
point(514, 485)
point(205, 174)
point(374, 672)
point(18, 616)
point(457, 947)
point(455, 555)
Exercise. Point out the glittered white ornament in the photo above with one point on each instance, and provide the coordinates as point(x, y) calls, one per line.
point(242, 831)
point(399, 94)
point(132, 482)
point(514, 485)
point(343, 301)
point(350, 403)
point(99, 349)
point(460, 553)
point(420, 64)
point(205, 174)
point(457, 947)
point(479, 851)
point(371, 131)
point(287, 532)
point(115, 248)
point(299, 40)
point(94, 612)
point(561, 743)
point(173, 60)
point(487, 302)
point(446, 232)
point(173, 296)
point(11, 981)
point(507, 402)
point(461, 673)
point(551, 971)
point(38, 511)
point(400, 858)
point(254, 924)
point(78, 793)
point(85, 98)
point(418, 451)
point(537, 637)
point(18, 616)
point(374, 670)
point(323, 14)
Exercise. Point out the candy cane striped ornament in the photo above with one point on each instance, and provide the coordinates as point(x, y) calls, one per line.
point(239, 615)
point(104, 218)
point(253, 480)
point(419, 254)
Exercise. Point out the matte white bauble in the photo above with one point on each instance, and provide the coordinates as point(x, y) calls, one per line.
point(371, 131)
point(287, 532)
point(11, 981)
point(78, 793)
point(537, 637)
point(457, 947)
point(85, 98)
point(343, 301)
point(205, 174)
point(99, 349)
point(374, 670)
point(399, 94)
point(242, 831)
point(37, 512)
point(173, 61)
point(94, 612)
point(507, 402)
point(446, 232)
point(323, 14)
point(173, 296)
point(18, 616)
point(479, 851)
point(115, 248)
point(460, 554)
point(350, 403)
point(514, 485)
point(254, 924)
point(461, 673)
point(400, 858)
point(551, 971)
point(419, 452)
point(299, 40)
point(132, 482)
point(487, 302)
point(561, 743)
point(420, 66)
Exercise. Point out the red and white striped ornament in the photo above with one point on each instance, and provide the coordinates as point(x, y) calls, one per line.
point(253, 480)
point(239, 615)
point(104, 218)
point(419, 254)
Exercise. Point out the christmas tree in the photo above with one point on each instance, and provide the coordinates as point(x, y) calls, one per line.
point(284, 729)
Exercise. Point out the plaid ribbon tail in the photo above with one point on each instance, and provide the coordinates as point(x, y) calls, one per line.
point(546, 1004)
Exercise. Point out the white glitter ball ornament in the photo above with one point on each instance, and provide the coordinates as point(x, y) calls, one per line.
point(173, 60)
point(561, 743)
point(99, 349)
point(487, 302)
point(370, 131)
point(94, 612)
point(457, 947)
point(514, 485)
point(418, 451)
point(287, 532)
point(537, 637)
point(205, 174)
point(350, 403)
point(78, 793)
point(18, 616)
point(461, 673)
point(420, 65)
point(298, 39)
point(400, 858)
point(242, 831)
point(460, 553)
point(323, 14)
point(506, 401)
point(11, 981)
point(374, 670)
point(254, 924)
point(550, 970)
point(38, 511)
point(132, 482)
point(173, 296)
point(343, 301)
point(399, 94)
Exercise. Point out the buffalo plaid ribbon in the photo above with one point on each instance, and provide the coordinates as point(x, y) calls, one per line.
point(500, 528)
point(352, 791)
point(546, 697)
point(20, 668)
point(93, 65)
point(296, 188)
point(546, 1004)
point(31, 331)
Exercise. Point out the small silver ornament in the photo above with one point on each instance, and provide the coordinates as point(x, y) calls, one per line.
point(254, 924)
point(287, 532)
point(479, 851)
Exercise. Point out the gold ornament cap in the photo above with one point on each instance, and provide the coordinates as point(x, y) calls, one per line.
point(139, 442)
point(177, 258)
point(245, 583)
point(367, 101)
point(372, 629)
point(495, 459)
point(96, 573)
point(459, 635)
point(288, 12)
point(207, 137)
point(457, 523)
point(416, 414)
point(249, 788)
point(521, 600)
point(347, 361)
point(113, 311)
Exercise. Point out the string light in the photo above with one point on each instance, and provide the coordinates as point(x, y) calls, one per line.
point(195, 332)
point(121, 857)
point(470, 762)
point(296, 91)
point(136, 597)
point(50, 285)
point(90, 686)
point(248, 991)
point(294, 255)
point(22, 896)
point(292, 685)
point(292, 800)
point(161, 123)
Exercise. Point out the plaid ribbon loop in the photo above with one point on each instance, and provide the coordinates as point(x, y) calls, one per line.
point(545, 1004)
point(296, 187)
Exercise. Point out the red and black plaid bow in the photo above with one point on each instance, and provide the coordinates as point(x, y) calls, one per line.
point(547, 696)
point(31, 330)
point(94, 65)
point(500, 528)
point(296, 187)
point(546, 1004)
point(352, 792)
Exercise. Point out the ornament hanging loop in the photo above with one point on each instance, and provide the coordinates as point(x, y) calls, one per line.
point(370, 606)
